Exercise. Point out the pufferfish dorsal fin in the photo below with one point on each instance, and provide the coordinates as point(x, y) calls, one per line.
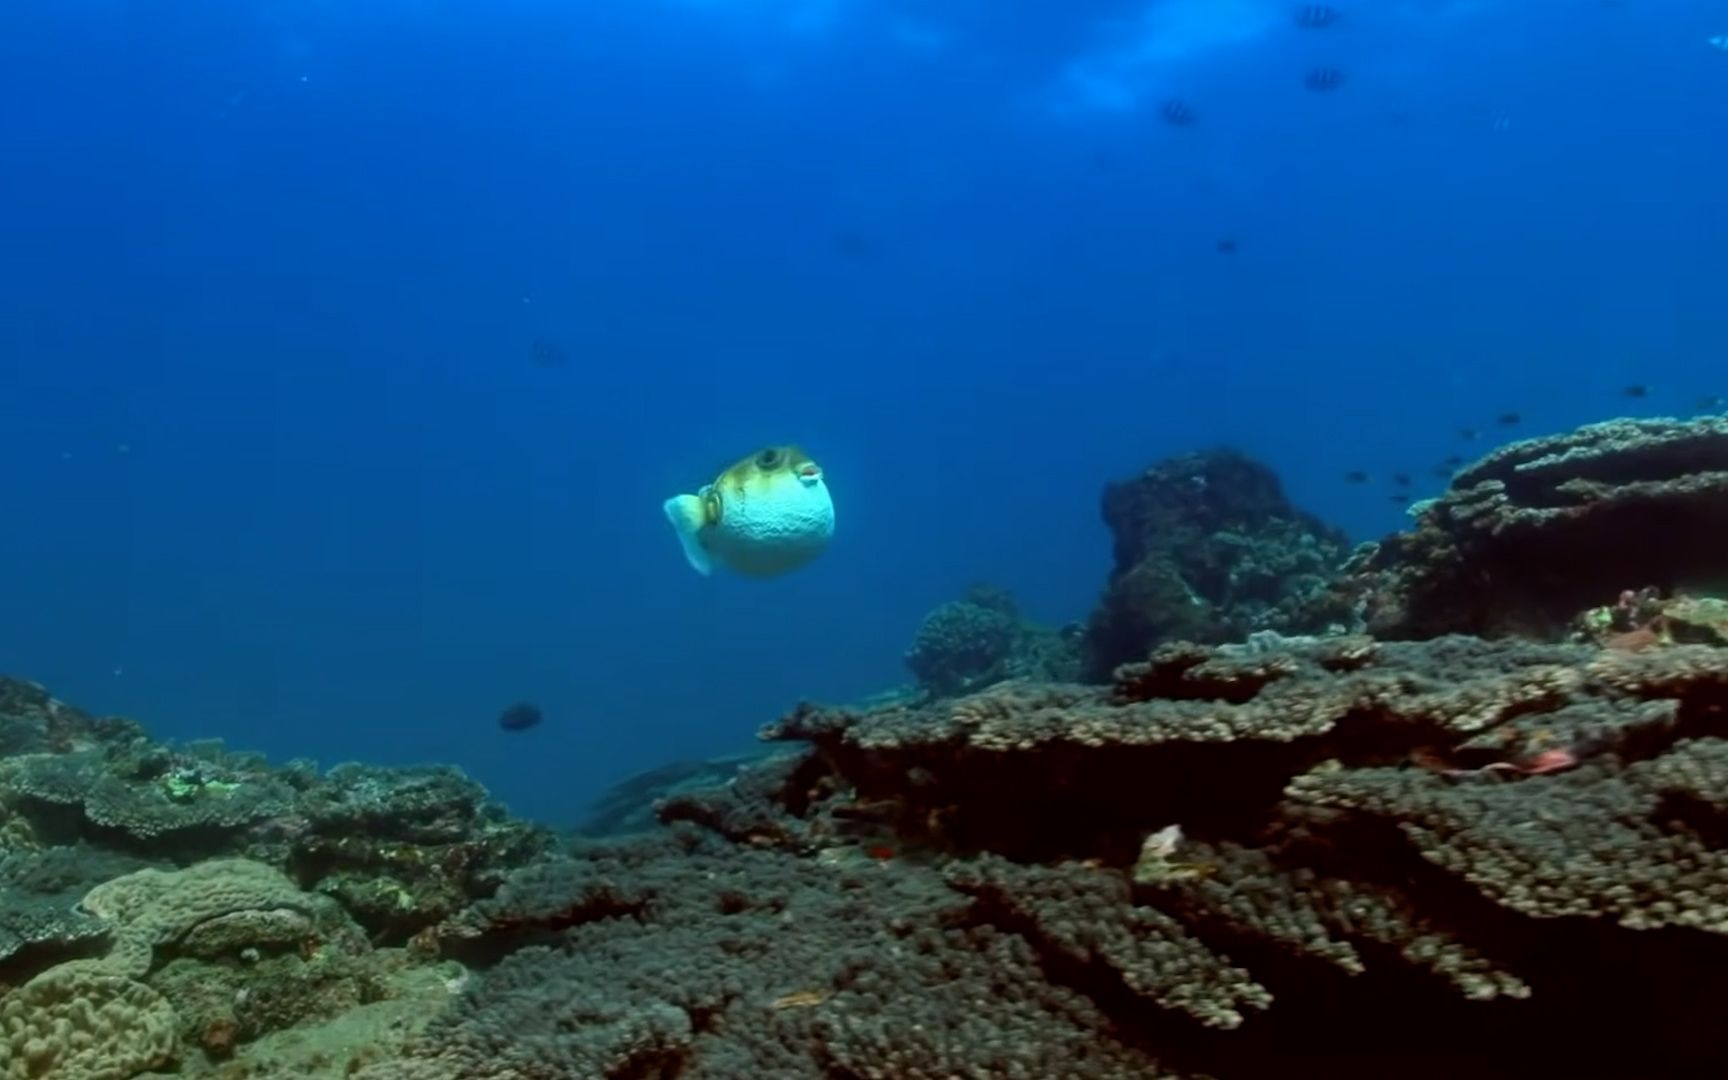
point(689, 515)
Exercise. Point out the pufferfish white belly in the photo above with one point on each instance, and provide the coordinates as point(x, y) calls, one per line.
point(768, 514)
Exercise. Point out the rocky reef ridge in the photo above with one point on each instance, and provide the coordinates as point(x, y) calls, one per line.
point(1456, 804)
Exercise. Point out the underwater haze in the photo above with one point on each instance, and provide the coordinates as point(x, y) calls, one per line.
point(349, 351)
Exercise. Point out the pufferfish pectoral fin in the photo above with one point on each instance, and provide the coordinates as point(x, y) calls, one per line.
point(687, 515)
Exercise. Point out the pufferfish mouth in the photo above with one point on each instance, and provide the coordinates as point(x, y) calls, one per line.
point(808, 474)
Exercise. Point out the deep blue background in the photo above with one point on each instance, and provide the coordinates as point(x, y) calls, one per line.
point(279, 466)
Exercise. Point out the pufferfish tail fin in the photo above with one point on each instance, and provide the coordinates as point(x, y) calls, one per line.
point(687, 515)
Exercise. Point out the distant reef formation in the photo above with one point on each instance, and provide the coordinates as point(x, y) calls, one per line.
point(1455, 804)
point(982, 639)
point(1538, 530)
point(1208, 549)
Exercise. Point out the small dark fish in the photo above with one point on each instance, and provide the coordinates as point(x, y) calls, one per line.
point(1323, 80)
point(1469, 433)
point(520, 717)
point(1355, 476)
point(1509, 418)
point(1636, 390)
point(1177, 113)
point(1401, 479)
point(1225, 246)
point(1316, 16)
point(1401, 499)
point(549, 354)
point(1709, 404)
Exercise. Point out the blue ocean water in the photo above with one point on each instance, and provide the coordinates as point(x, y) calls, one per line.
point(347, 351)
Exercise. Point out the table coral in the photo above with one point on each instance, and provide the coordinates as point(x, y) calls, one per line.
point(150, 795)
point(1539, 530)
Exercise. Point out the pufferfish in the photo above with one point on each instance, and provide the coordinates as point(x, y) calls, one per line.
point(766, 515)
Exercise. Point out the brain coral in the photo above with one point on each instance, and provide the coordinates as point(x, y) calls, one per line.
point(77, 1022)
point(203, 908)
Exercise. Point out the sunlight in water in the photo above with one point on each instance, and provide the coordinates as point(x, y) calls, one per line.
point(1136, 57)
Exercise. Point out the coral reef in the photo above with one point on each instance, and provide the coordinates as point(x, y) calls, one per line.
point(401, 847)
point(688, 955)
point(981, 639)
point(1503, 822)
point(133, 792)
point(1539, 530)
point(32, 721)
point(629, 806)
point(1286, 857)
point(1208, 549)
point(200, 961)
point(405, 848)
point(173, 906)
point(1462, 847)
point(40, 893)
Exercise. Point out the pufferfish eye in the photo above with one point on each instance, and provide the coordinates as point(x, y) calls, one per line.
point(768, 459)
